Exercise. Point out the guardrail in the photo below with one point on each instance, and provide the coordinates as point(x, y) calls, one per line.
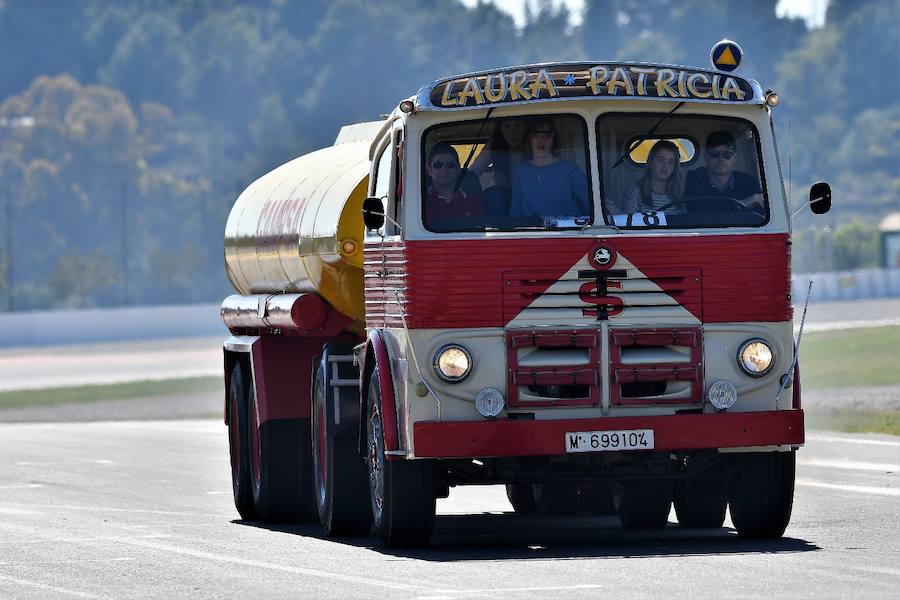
point(49, 327)
point(864, 284)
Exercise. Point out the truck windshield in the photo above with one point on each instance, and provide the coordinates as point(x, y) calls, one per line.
point(523, 172)
point(694, 171)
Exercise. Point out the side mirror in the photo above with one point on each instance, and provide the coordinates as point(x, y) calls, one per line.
point(820, 198)
point(373, 213)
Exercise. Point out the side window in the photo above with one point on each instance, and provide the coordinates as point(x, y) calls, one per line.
point(383, 174)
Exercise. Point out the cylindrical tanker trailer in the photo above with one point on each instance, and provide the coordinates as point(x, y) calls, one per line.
point(485, 288)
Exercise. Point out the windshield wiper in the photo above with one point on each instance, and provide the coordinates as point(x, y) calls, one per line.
point(465, 168)
point(645, 136)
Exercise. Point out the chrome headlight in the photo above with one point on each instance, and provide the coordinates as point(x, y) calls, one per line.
point(452, 363)
point(756, 357)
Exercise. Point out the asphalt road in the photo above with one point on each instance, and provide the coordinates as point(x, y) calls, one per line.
point(144, 510)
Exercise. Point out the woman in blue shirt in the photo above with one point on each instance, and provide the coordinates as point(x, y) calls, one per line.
point(547, 186)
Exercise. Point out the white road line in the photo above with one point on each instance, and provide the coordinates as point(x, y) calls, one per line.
point(64, 462)
point(849, 464)
point(44, 586)
point(144, 511)
point(848, 440)
point(79, 540)
point(859, 489)
point(73, 561)
point(366, 581)
point(19, 486)
point(555, 588)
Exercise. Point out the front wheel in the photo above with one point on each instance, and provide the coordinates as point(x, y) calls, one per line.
point(402, 491)
point(762, 496)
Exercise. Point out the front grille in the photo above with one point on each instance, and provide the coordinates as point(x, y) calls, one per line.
point(661, 365)
point(553, 368)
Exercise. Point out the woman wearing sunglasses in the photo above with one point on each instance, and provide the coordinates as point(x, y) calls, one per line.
point(547, 186)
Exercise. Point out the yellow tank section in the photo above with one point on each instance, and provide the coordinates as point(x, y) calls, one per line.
point(299, 228)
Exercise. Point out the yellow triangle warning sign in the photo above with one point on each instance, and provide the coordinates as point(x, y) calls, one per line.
point(727, 57)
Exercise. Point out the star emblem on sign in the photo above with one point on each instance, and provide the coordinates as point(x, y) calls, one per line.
point(570, 79)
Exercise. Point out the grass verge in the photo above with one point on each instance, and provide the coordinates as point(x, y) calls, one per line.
point(855, 421)
point(112, 391)
point(850, 358)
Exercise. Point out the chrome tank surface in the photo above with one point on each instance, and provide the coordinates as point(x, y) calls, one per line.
point(299, 229)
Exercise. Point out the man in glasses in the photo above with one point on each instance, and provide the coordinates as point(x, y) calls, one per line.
point(719, 179)
point(444, 198)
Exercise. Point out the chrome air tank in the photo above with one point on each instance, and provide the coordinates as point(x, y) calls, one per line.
point(299, 229)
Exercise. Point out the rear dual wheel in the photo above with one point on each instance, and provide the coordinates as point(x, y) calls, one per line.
point(238, 438)
point(643, 503)
point(340, 474)
point(700, 502)
point(280, 467)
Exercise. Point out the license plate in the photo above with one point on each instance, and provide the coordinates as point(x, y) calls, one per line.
point(604, 441)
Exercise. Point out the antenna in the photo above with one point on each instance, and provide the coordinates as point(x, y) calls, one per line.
point(790, 170)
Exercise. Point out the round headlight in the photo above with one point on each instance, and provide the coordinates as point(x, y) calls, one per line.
point(722, 395)
point(452, 363)
point(489, 402)
point(756, 357)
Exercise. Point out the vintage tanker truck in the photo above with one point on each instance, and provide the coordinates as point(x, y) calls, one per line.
point(503, 283)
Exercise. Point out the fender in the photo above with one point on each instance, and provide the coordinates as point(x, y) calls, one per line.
point(377, 355)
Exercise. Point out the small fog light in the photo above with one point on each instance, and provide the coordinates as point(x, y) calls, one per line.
point(722, 395)
point(489, 402)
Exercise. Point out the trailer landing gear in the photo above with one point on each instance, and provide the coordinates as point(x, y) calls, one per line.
point(402, 491)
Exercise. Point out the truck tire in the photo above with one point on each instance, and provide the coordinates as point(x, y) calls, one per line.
point(762, 496)
point(402, 491)
point(556, 498)
point(280, 467)
point(238, 440)
point(597, 498)
point(339, 472)
point(643, 503)
point(521, 496)
point(700, 502)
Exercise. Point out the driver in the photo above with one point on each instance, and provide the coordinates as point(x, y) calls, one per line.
point(719, 179)
point(444, 198)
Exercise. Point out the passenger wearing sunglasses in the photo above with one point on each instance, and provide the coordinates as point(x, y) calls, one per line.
point(548, 186)
point(719, 179)
point(444, 199)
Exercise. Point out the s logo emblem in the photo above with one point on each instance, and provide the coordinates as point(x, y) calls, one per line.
point(602, 256)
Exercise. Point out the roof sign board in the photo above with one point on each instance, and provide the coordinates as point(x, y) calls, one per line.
point(558, 81)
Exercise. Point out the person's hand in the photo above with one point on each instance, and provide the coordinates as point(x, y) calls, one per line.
point(755, 202)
